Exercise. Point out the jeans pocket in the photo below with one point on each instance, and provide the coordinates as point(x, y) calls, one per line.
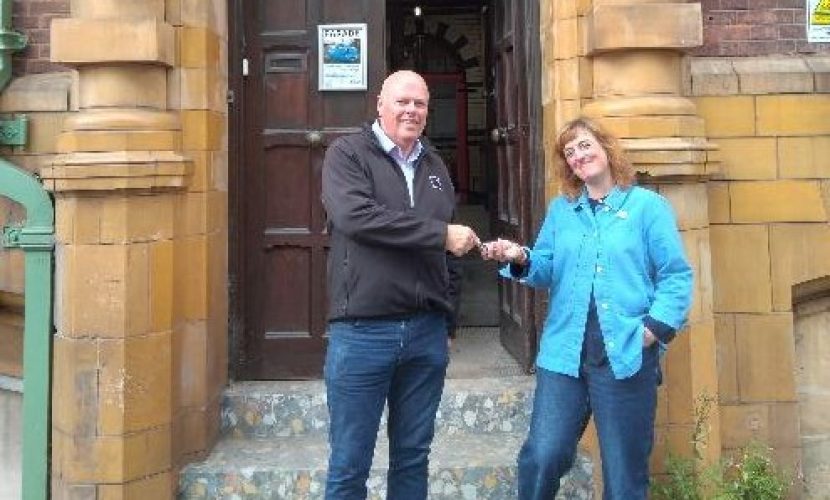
point(335, 353)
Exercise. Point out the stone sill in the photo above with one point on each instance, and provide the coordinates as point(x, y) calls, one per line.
point(776, 74)
point(41, 92)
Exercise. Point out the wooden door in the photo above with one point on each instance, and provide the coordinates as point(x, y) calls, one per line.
point(515, 138)
point(286, 122)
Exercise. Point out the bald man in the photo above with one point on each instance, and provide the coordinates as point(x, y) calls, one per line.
point(392, 291)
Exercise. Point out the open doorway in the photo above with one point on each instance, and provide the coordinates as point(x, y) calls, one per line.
point(482, 61)
point(446, 42)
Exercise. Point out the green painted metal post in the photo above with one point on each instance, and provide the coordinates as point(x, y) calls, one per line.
point(12, 130)
point(36, 239)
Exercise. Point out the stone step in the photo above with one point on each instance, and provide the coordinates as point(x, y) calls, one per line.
point(463, 466)
point(262, 410)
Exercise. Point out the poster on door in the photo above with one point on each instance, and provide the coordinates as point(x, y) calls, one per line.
point(818, 21)
point(342, 61)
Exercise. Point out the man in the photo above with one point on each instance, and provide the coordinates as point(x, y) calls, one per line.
point(389, 201)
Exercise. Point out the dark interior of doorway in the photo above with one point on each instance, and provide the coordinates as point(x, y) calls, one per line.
point(446, 41)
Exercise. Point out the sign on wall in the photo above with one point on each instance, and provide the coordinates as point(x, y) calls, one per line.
point(818, 20)
point(342, 60)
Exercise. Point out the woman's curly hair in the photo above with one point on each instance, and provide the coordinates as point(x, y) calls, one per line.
point(621, 170)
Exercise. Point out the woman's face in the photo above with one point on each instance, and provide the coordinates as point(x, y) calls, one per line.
point(587, 158)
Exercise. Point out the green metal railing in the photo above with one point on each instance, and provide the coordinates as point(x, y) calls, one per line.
point(36, 239)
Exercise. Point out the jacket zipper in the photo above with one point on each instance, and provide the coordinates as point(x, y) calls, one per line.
point(344, 307)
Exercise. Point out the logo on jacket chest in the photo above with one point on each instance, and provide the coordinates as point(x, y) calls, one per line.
point(435, 182)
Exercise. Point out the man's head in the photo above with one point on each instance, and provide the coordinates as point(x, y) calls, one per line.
point(402, 108)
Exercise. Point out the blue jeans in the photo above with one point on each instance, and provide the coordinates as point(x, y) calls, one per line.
point(623, 412)
point(370, 362)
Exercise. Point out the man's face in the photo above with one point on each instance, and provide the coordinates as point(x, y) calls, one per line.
point(402, 108)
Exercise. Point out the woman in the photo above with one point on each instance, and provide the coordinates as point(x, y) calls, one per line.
point(610, 255)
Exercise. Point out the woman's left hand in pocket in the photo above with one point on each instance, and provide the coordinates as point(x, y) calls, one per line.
point(648, 338)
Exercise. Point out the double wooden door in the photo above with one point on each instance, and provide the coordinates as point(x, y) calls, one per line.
point(282, 124)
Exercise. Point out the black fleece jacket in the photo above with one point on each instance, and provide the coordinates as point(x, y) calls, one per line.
point(387, 258)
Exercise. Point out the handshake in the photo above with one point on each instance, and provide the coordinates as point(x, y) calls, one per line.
point(462, 239)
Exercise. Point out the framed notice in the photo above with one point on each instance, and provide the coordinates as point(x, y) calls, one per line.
point(818, 21)
point(342, 49)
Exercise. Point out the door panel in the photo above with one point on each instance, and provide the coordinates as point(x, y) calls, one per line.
point(514, 76)
point(286, 124)
point(288, 184)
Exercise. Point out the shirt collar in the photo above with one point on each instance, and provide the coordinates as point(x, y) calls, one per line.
point(391, 148)
point(613, 199)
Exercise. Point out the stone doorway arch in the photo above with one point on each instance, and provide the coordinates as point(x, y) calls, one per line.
point(811, 318)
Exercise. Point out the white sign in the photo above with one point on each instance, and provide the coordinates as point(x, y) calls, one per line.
point(818, 21)
point(342, 49)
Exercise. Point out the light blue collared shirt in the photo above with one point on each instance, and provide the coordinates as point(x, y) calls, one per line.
point(629, 253)
point(407, 164)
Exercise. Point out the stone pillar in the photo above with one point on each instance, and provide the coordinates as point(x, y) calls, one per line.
point(116, 180)
point(198, 90)
point(636, 53)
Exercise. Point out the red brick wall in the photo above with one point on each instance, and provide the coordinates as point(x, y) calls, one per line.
point(32, 18)
point(755, 27)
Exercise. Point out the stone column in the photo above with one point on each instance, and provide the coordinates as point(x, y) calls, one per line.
point(636, 50)
point(116, 181)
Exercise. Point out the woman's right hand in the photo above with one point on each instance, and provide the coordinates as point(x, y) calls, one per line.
point(503, 251)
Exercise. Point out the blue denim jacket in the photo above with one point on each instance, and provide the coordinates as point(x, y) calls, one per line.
point(630, 254)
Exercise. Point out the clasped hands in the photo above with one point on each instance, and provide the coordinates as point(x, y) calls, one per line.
point(461, 239)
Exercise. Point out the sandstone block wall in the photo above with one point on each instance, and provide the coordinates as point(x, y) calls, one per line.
point(768, 208)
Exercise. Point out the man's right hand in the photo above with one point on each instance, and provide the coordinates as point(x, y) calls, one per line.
point(460, 239)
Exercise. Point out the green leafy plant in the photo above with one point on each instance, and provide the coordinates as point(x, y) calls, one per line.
point(751, 475)
point(683, 481)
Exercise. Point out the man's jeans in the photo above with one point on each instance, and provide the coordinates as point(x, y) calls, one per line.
point(623, 414)
point(368, 362)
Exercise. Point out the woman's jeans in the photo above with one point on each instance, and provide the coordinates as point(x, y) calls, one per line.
point(370, 362)
point(623, 413)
